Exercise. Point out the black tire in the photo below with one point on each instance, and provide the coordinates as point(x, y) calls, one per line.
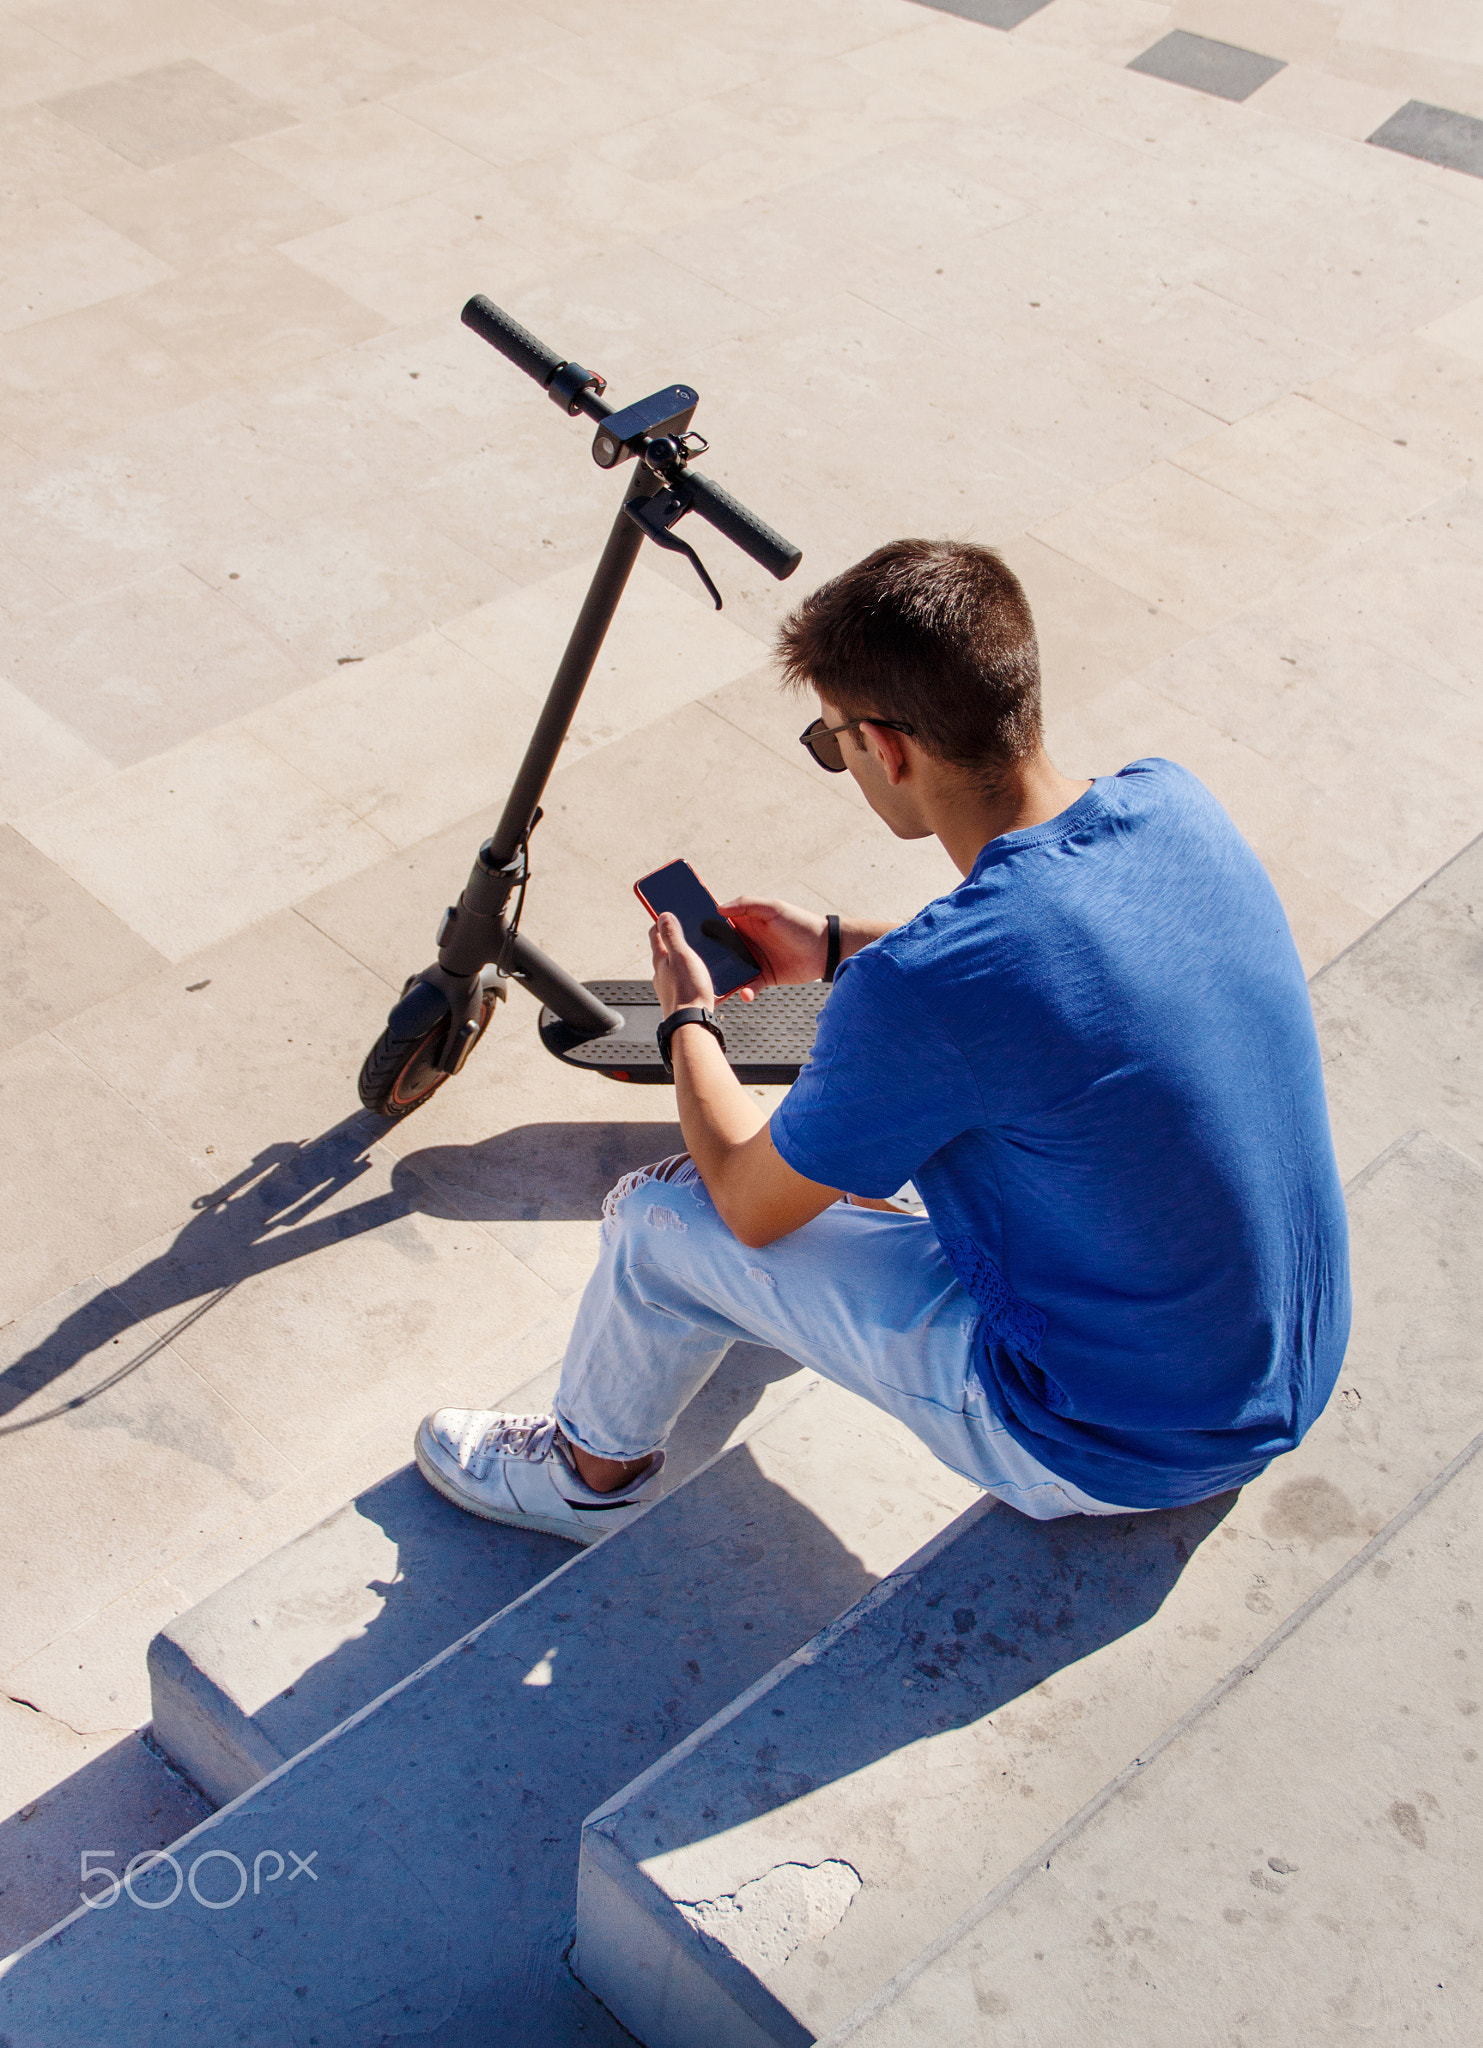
point(400, 1074)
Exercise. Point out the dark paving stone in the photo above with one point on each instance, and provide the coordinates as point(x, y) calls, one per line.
point(1221, 68)
point(992, 13)
point(1436, 135)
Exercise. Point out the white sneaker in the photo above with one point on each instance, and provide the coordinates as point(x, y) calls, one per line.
point(519, 1469)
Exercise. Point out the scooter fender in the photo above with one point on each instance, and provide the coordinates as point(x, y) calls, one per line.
point(420, 1010)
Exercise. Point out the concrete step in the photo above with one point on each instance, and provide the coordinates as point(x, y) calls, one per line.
point(1298, 1862)
point(443, 1820)
point(773, 1872)
point(293, 1646)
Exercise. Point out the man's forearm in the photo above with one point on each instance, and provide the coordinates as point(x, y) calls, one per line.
point(717, 1115)
point(758, 1196)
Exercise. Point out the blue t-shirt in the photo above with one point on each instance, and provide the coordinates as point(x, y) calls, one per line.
point(1096, 1059)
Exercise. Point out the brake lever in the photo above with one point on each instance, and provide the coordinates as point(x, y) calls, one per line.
point(655, 516)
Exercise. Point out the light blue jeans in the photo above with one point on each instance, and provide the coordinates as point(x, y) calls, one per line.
point(865, 1299)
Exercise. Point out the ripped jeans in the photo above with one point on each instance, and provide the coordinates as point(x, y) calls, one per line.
point(863, 1298)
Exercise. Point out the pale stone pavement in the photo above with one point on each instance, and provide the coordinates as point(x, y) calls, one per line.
point(286, 557)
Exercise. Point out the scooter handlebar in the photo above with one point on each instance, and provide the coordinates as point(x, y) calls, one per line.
point(512, 340)
point(727, 514)
point(752, 535)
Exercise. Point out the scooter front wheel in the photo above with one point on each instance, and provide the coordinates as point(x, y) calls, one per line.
point(400, 1074)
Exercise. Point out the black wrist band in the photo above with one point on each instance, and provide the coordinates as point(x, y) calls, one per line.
point(831, 956)
point(694, 1014)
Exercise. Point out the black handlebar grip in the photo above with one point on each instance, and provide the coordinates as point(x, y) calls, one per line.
point(512, 340)
point(752, 535)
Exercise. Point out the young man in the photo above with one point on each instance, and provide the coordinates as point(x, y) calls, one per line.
point(1094, 1057)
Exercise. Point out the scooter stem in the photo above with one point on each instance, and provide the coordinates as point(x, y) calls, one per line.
point(577, 663)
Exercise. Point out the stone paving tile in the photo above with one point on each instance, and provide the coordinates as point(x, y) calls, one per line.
point(217, 203)
point(1317, 471)
point(55, 258)
point(365, 157)
point(1316, 98)
point(83, 1178)
point(320, 67)
point(33, 64)
point(93, 523)
point(43, 157)
point(881, 878)
point(330, 438)
point(756, 705)
point(1445, 78)
point(98, 1410)
point(1005, 14)
point(831, 233)
point(41, 758)
point(159, 116)
point(417, 257)
point(1373, 594)
point(62, 949)
point(1188, 547)
point(1387, 267)
point(69, 380)
point(23, 592)
point(451, 36)
point(1225, 359)
point(1305, 685)
point(1418, 391)
point(1295, 30)
point(196, 843)
point(1461, 329)
point(347, 582)
point(1435, 134)
point(1114, 30)
point(511, 111)
point(119, 40)
point(138, 670)
point(945, 66)
point(250, 1045)
point(410, 739)
point(623, 317)
point(1223, 68)
point(251, 316)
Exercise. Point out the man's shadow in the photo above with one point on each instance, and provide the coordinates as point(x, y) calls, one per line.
point(278, 1210)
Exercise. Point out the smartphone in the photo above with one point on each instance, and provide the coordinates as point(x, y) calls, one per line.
point(679, 890)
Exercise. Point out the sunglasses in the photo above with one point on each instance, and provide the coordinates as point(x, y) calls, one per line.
point(822, 740)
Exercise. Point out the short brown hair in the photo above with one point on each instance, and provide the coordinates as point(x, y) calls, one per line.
point(937, 633)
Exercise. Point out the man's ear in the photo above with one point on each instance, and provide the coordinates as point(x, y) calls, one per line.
point(887, 747)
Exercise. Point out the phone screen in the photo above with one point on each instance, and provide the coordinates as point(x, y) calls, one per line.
point(679, 890)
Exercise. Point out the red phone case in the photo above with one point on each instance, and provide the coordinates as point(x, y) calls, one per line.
point(710, 892)
point(669, 864)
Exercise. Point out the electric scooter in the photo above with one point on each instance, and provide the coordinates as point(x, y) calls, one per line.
point(606, 1027)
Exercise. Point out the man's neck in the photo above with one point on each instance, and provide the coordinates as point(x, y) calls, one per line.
point(1029, 793)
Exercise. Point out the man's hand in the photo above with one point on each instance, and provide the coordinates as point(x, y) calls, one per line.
point(681, 977)
point(790, 943)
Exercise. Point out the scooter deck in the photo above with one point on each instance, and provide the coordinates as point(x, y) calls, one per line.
point(767, 1040)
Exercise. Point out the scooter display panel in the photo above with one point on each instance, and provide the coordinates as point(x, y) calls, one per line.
point(767, 1040)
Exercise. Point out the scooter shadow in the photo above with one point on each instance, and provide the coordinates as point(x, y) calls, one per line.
point(289, 1203)
point(548, 1173)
